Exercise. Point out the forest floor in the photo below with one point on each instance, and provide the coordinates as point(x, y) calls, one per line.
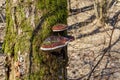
point(92, 41)
point(2, 26)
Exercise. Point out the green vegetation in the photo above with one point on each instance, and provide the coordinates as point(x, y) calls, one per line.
point(21, 37)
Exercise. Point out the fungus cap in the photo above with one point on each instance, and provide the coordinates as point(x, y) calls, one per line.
point(54, 42)
point(59, 27)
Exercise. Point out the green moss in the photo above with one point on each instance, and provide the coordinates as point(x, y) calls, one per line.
point(53, 11)
point(10, 33)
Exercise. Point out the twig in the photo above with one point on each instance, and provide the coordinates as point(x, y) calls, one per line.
point(105, 51)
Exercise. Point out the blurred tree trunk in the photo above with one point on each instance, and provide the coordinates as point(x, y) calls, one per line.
point(101, 10)
point(29, 22)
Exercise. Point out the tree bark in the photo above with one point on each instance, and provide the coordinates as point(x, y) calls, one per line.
point(101, 8)
point(29, 22)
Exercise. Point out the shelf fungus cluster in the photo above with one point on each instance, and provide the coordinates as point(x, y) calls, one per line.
point(56, 42)
point(19, 67)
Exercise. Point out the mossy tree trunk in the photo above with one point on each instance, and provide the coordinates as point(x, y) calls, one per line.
point(29, 22)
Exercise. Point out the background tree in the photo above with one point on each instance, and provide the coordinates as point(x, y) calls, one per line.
point(29, 22)
point(101, 8)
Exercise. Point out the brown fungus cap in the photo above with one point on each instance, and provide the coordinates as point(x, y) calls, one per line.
point(54, 42)
point(59, 27)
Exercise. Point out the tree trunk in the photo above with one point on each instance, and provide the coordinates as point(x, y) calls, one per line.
point(29, 22)
point(101, 8)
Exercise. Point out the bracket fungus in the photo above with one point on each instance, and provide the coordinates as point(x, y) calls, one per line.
point(59, 27)
point(54, 42)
